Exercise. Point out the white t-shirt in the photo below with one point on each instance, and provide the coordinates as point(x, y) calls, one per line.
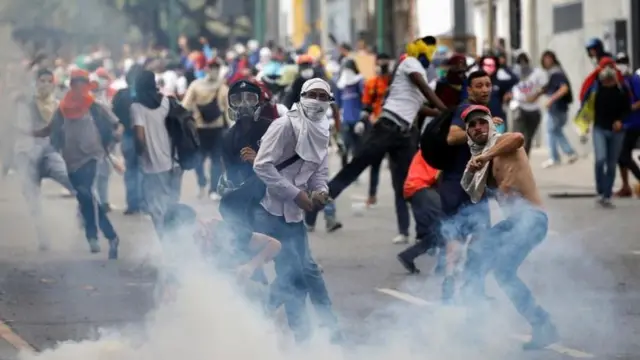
point(405, 99)
point(530, 85)
point(157, 157)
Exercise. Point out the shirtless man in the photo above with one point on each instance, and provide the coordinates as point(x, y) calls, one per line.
point(500, 165)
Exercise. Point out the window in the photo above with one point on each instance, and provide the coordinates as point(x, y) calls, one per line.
point(567, 17)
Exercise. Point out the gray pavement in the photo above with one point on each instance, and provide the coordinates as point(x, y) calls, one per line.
point(587, 273)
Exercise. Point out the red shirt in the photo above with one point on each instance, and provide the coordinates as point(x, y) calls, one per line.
point(420, 176)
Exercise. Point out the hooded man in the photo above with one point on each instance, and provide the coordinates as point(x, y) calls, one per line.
point(293, 164)
point(121, 106)
point(36, 159)
point(499, 164)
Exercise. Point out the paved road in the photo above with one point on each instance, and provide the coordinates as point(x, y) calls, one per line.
point(587, 274)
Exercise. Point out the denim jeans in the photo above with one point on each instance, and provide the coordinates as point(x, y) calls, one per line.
point(83, 181)
point(297, 274)
point(161, 191)
point(607, 146)
point(102, 180)
point(503, 248)
point(132, 174)
point(351, 142)
point(427, 212)
point(556, 120)
point(210, 147)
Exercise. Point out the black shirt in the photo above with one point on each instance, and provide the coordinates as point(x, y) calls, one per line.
point(612, 104)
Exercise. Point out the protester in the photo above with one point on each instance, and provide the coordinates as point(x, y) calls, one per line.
point(631, 129)
point(162, 177)
point(596, 52)
point(36, 159)
point(207, 99)
point(373, 96)
point(559, 97)
point(81, 129)
point(427, 210)
point(393, 133)
point(526, 109)
point(293, 163)
point(500, 164)
point(503, 81)
point(608, 103)
point(348, 98)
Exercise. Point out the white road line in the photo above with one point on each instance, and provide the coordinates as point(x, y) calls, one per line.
point(406, 297)
point(559, 348)
point(635, 252)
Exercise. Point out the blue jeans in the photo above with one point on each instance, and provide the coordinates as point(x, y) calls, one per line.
point(132, 174)
point(83, 180)
point(607, 146)
point(297, 274)
point(556, 120)
point(161, 191)
point(102, 180)
point(503, 248)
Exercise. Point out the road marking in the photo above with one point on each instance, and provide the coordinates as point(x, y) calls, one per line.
point(406, 297)
point(559, 348)
point(14, 339)
point(635, 252)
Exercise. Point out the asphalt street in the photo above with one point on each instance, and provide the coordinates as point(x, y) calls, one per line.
point(586, 273)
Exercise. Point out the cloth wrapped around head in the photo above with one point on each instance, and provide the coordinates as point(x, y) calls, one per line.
point(474, 183)
point(310, 122)
point(422, 49)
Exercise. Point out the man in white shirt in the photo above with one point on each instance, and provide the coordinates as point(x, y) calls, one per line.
point(393, 133)
point(527, 111)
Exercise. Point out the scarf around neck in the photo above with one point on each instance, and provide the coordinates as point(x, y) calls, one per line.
point(474, 183)
point(312, 137)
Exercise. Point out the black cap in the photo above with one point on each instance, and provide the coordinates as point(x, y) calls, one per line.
point(244, 86)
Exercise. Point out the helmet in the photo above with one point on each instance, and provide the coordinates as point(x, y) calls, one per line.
point(245, 100)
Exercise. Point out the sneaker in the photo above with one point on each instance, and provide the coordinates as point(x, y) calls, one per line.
point(113, 248)
point(624, 192)
point(549, 163)
point(542, 336)
point(214, 196)
point(400, 239)
point(606, 203)
point(94, 247)
point(333, 225)
point(573, 158)
point(409, 265)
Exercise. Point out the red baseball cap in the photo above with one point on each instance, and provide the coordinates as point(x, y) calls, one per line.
point(481, 111)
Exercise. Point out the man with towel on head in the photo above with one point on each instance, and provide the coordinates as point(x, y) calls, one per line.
point(499, 164)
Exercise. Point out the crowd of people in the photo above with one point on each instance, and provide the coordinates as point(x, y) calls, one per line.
point(265, 118)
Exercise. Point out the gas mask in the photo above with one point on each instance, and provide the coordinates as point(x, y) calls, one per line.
point(244, 105)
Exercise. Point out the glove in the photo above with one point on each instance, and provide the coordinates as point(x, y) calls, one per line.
point(359, 128)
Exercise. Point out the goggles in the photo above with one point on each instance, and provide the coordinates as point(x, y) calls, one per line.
point(244, 99)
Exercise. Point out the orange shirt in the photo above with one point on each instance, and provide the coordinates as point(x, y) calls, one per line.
point(420, 176)
point(374, 92)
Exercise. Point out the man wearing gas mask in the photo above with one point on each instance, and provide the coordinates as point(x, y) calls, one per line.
point(35, 157)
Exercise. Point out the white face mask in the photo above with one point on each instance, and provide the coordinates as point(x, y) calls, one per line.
point(624, 68)
point(306, 73)
point(314, 109)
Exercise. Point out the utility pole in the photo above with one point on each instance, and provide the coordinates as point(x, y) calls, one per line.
point(259, 9)
point(380, 29)
point(491, 35)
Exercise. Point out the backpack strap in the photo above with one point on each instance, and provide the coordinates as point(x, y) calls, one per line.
point(285, 164)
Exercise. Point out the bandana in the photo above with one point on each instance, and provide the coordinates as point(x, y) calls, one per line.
point(474, 183)
point(312, 135)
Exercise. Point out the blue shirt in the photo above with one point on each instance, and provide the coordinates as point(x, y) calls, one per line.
point(349, 100)
point(502, 84)
point(633, 83)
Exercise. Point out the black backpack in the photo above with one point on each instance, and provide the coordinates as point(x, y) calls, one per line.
point(433, 142)
point(185, 144)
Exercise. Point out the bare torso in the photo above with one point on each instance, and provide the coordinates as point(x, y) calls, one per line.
point(513, 176)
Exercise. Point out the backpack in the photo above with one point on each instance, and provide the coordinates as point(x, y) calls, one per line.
point(433, 142)
point(185, 143)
